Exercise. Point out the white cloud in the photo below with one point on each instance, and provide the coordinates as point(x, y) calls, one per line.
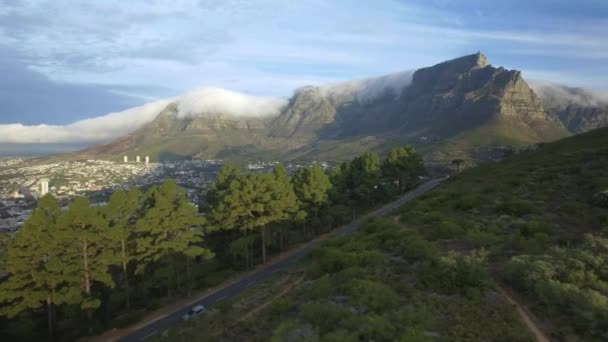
point(195, 103)
point(221, 101)
point(366, 90)
point(559, 96)
point(89, 130)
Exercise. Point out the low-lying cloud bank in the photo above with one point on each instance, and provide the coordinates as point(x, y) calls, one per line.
point(89, 130)
point(557, 97)
point(207, 101)
point(103, 128)
point(367, 90)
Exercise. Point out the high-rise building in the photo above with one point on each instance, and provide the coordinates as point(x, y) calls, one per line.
point(126, 159)
point(137, 160)
point(44, 187)
point(147, 160)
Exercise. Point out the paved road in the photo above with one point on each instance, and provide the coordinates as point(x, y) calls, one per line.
point(169, 321)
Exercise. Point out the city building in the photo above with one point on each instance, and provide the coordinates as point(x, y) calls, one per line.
point(44, 187)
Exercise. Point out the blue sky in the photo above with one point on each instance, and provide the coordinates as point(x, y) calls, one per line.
point(66, 60)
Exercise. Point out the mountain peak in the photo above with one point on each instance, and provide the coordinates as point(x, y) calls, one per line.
point(465, 63)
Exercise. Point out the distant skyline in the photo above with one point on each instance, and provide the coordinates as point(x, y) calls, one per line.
point(63, 61)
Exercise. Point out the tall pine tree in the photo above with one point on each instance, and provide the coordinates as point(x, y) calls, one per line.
point(169, 227)
point(33, 263)
point(311, 186)
point(403, 165)
point(255, 200)
point(120, 213)
point(88, 253)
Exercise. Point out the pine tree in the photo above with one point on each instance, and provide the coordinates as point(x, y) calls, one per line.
point(169, 227)
point(253, 201)
point(364, 177)
point(36, 273)
point(88, 253)
point(403, 165)
point(311, 186)
point(120, 214)
point(227, 174)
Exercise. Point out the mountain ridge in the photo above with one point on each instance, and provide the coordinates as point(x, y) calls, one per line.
point(426, 109)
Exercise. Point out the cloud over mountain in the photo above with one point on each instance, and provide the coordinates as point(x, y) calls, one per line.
point(194, 103)
point(560, 96)
point(222, 101)
point(89, 130)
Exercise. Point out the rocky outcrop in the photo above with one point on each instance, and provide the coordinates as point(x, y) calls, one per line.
point(466, 92)
point(309, 110)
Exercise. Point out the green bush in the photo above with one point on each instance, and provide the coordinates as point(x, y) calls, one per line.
point(432, 217)
point(373, 295)
point(414, 335)
point(456, 273)
point(377, 328)
point(532, 228)
point(324, 316)
point(467, 203)
point(340, 335)
point(571, 284)
point(447, 229)
point(280, 307)
point(516, 207)
point(294, 330)
point(322, 287)
point(572, 209)
point(415, 248)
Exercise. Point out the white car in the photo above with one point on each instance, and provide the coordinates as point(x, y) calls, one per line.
point(195, 311)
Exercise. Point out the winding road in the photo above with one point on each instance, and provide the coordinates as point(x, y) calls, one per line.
point(150, 328)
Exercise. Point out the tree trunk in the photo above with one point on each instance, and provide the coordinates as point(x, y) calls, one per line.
point(263, 232)
point(49, 311)
point(87, 280)
point(188, 276)
point(125, 275)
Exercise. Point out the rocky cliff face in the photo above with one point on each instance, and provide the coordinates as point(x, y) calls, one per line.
point(439, 101)
point(468, 91)
point(580, 119)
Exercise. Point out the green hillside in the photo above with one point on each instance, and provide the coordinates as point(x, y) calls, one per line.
point(532, 223)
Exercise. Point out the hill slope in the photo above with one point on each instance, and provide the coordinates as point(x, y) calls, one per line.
point(430, 107)
point(430, 272)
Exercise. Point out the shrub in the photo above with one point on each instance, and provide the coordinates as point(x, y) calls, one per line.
point(377, 328)
point(533, 228)
point(373, 295)
point(468, 202)
point(456, 273)
point(294, 330)
point(378, 224)
point(340, 336)
point(601, 199)
point(516, 207)
point(572, 208)
point(324, 316)
point(415, 248)
point(414, 335)
point(432, 217)
point(280, 306)
point(447, 230)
